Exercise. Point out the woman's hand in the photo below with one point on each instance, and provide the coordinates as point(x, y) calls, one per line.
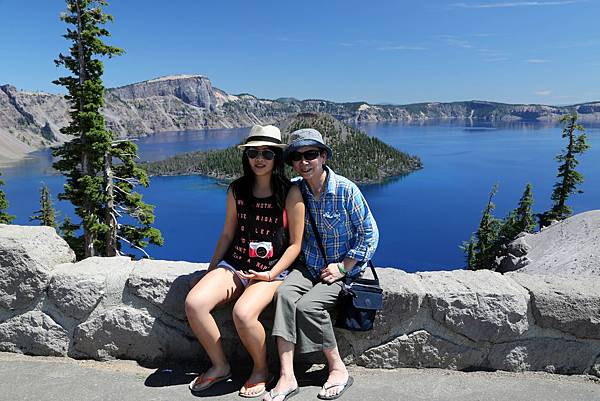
point(331, 273)
point(254, 275)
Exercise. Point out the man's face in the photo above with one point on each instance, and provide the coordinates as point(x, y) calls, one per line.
point(308, 161)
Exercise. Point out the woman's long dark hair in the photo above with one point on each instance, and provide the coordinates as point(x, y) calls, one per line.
point(280, 184)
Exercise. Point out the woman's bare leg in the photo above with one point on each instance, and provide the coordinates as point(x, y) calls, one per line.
point(246, 311)
point(217, 287)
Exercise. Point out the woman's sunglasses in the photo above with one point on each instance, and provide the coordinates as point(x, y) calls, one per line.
point(266, 154)
point(308, 155)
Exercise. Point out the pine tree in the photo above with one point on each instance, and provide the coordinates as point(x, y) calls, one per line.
point(5, 218)
point(568, 178)
point(46, 215)
point(482, 249)
point(67, 231)
point(87, 160)
point(520, 219)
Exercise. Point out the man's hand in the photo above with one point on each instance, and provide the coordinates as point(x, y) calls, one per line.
point(331, 273)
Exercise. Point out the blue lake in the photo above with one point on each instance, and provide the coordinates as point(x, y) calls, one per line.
point(423, 218)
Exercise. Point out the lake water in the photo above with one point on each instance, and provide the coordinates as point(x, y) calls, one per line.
point(423, 218)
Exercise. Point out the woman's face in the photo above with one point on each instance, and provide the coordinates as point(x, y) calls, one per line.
point(308, 161)
point(261, 159)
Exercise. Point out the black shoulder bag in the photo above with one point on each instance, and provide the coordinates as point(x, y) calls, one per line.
point(360, 299)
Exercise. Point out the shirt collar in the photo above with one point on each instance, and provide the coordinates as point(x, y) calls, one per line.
point(330, 181)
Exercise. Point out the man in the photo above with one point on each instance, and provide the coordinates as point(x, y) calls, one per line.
point(349, 235)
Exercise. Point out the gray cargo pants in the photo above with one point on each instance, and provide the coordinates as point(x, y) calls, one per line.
point(302, 312)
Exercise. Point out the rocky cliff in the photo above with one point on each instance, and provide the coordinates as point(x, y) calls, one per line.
point(31, 121)
point(103, 308)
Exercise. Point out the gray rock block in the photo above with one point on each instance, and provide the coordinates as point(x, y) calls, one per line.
point(403, 298)
point(165, 284)
point(553, 355)
point(129, 333)
point(76, 292)
point(422, 349)
point(111, 272)
point(481, 305)
point(571, 306)
point(27, 255)
point(34, 333)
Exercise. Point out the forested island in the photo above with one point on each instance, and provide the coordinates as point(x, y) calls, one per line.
point(361, 158)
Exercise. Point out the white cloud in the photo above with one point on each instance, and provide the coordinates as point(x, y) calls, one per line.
point(537, 61)
point(544, 93)
point(516, 4)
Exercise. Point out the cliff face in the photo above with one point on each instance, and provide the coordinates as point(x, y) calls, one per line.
point(30, 121)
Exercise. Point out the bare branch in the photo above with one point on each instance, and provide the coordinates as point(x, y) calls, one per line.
point(134, 246)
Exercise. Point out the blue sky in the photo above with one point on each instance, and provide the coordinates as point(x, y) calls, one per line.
point(376, 51)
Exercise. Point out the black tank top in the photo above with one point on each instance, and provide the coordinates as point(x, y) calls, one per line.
point(259, 220)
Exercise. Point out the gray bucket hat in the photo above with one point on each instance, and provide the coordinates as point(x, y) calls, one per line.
point(305, 137)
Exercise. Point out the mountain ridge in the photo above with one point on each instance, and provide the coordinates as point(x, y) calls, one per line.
point(32, 120)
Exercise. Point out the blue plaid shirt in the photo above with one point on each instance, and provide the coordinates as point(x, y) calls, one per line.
point(344, 221)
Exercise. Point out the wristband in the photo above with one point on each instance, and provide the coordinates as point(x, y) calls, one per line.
point(269, 273)
point(341, 268)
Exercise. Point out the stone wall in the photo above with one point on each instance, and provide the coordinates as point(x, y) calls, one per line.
point(105, 308)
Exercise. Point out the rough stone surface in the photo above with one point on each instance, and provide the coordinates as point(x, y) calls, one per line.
point(423, 350)
point(27, 255)
point(130, 333)
point(76, 292)
point(105, 308)
point(553, 355)
point(572, 305)
point(596, 368)
point(165, 284)
point(567, 248)
point(113, 271)
point(481, 305)
point(403, 298)
point(33, 333)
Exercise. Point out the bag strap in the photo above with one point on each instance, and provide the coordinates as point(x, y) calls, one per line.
point(314, 228)
point(318, 237)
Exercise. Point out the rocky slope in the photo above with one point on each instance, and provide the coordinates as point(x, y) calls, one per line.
point(31, 121)
point(568, 248)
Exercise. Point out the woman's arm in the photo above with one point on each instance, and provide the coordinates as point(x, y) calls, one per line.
point(228, 233)
point(294, 207)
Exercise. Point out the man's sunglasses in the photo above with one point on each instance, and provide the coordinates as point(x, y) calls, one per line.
point(308, 155)
point(266, 154)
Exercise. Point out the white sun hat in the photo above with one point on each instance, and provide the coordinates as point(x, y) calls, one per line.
point(263, 135)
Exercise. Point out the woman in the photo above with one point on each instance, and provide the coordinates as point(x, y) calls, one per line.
point(349, 237)
point(261, 238)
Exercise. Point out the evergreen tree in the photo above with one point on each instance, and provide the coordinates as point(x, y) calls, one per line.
point(67, 231)
point(520, 219)
point(5, 218)
point(483, 248)
point(87, 160)
point(568, 178)
point(46, 215)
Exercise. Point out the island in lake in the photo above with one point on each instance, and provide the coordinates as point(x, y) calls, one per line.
point(361, 158)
